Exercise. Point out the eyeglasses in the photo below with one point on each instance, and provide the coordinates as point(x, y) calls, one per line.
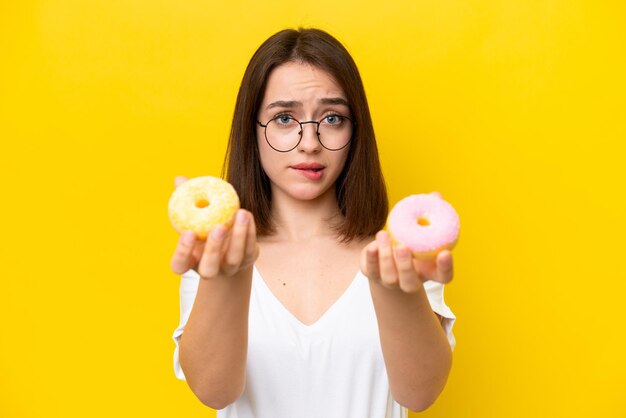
point(283, 132)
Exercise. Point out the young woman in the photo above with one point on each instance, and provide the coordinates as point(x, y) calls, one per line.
point(303, 308)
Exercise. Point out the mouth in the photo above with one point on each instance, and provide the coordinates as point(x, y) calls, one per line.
point(314, 167)
point(312, 171)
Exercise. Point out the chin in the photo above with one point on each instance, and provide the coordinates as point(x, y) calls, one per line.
point(310, 192)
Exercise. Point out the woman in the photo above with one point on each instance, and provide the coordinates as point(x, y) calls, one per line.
point(303, 308)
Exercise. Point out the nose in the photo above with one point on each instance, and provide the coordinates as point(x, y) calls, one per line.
point(310, 141)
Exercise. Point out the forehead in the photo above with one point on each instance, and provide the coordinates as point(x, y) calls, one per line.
point(300, 81)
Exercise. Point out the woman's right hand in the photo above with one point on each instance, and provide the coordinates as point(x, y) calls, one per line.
point(225, 252)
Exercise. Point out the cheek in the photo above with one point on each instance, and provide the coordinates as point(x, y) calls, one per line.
point(265, 154)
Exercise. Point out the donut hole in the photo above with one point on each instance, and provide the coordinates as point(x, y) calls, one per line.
point(423, 221)
point(202, 203)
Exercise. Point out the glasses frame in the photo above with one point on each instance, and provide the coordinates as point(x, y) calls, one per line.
point(317, 132)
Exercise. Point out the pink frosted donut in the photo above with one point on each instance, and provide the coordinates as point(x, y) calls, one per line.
point(425, 223)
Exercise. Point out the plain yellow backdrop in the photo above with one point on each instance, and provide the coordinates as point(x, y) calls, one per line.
point(514, 111)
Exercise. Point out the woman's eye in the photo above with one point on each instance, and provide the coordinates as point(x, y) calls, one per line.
point(333, 119)
point(284, 119)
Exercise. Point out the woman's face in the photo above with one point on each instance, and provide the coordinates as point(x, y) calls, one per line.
point(305, 93)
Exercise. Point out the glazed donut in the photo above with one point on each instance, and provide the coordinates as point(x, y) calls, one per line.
point(201, 203)
point(425, 223)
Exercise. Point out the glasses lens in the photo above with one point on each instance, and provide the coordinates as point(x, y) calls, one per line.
point(283, 133)
point(335, 131)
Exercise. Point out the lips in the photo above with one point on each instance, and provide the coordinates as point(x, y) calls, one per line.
point(308, 166)
point(312, 171)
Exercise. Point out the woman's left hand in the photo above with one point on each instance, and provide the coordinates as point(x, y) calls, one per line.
point(395, 268)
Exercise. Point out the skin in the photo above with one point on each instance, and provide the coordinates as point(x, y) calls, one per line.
point(305, 265)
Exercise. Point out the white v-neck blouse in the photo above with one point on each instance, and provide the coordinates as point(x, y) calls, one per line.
point(333, 368)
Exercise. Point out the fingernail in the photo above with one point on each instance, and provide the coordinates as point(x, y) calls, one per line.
point(189, 238)
point(242, 218)
point(443, 255)
point(383, 237)
point(178, 180)
point(218, 232)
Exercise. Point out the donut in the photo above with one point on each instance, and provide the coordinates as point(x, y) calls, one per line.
point(425, 223)
point(201, 203)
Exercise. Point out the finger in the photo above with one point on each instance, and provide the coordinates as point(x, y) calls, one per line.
point(445, 267)
point(182, 259)
point(198, 250)
point(388, 272)
point(369, 261)
point(426, 269)
point(408, 280)
point(180, 180)
point(252, 248)
point(209, 265)
point(237, 245)
point(437, 194)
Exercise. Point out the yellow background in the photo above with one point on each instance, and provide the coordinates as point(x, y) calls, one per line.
point(513, 110)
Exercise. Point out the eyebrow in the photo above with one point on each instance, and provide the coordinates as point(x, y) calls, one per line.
point(284, 103)
point(334, 101)
point(293, 103)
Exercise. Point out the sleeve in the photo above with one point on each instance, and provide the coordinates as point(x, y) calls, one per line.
point(188, 289)
point(434, 291)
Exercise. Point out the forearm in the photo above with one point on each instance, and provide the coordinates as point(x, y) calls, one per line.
point(417, 353)
point(213, 347)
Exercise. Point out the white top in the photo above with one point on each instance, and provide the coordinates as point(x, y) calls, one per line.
point(333, 368)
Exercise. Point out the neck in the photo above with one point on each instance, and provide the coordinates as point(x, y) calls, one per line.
point(301, 220)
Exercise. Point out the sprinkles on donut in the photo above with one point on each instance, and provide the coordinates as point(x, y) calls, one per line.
point(425, 223)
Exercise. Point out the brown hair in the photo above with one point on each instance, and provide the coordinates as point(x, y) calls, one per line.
point(360, 188)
